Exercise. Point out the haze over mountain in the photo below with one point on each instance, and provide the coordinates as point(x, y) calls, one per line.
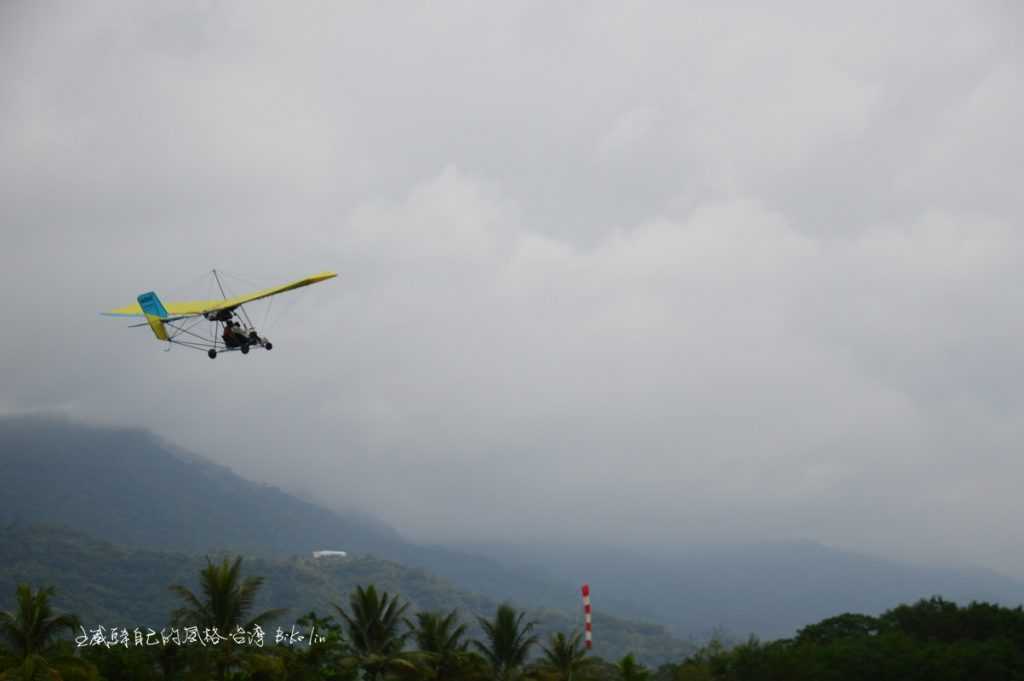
point(770, 589)
point(133, 489)
point(130, 488)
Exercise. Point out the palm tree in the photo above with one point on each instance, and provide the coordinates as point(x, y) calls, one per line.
point(440, 640)
point(226, 604)
point(372, 629)
point(32, 630)
point(630, 670)
point(33, 626)
point(508, 641)
point(228, 599)
point(566, 656)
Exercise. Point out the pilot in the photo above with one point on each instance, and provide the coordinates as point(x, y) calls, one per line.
point(232, 334)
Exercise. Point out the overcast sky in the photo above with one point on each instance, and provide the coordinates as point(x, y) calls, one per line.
point(618, 272)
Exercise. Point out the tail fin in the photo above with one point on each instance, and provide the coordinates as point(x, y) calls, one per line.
point(155, 313)
point(151, 305)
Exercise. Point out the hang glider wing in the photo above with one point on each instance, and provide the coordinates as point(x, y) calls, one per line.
point(170, 311)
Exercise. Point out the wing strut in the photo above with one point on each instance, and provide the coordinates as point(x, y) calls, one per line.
point(219, 285)
point(240, 306)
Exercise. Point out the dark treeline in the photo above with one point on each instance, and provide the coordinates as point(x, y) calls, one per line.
point(216, 635)
point(932, 640)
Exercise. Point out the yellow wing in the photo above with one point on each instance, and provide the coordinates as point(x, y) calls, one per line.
point(198, 307)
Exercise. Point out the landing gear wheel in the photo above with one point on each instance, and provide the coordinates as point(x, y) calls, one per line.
point(268, 345)
point(212, 354)
point(245, 348)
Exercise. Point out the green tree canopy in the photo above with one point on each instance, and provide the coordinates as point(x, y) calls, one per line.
point(565, 656)
point(32, 632)
point(33, 626)
point(507, 641)
point(442, 643)
point(372, 629)
point(226, 604)
point(631, 670)
point(226, 601)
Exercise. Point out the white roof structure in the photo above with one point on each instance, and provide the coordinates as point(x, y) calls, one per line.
point(328, 554)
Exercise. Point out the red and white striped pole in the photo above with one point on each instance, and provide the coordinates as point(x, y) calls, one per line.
point(587, 631)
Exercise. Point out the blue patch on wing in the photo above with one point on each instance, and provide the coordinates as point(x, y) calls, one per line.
point(151, 305)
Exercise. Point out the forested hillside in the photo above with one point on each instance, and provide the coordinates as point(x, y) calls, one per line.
point(110, 586)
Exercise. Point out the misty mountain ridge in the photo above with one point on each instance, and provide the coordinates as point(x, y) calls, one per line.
point(770, 588)
point(134, 489)
point(131, 488)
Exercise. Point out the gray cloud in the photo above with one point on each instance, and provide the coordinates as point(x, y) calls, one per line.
point(639, 274)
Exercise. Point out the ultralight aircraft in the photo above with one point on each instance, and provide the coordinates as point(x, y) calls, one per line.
point(181, 323)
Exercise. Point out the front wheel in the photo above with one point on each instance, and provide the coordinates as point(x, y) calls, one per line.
point(212, 354)
point(268, 345)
